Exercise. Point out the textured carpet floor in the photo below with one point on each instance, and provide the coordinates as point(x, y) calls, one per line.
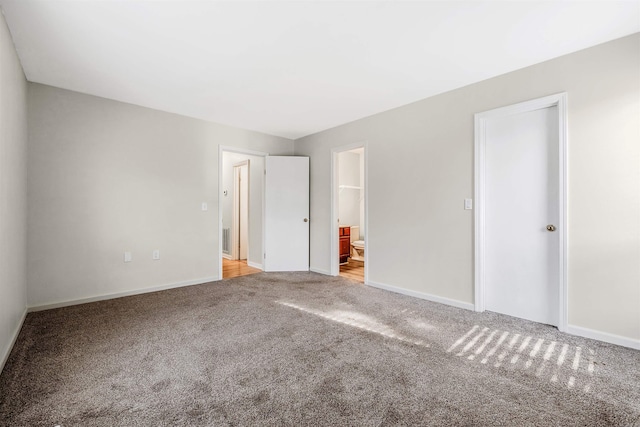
point(304, 349)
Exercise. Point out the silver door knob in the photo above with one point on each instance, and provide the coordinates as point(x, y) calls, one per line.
point(306, 220)
point(551, 227)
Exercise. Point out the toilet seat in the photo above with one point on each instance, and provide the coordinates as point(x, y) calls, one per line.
point(358, 244)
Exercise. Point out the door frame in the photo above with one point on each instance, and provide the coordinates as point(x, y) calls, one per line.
point(228, 149)
point(335, 242)
point(237, 209)
point(558, 100)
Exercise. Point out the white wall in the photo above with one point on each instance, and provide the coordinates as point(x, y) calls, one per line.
point(256, 183)
point(421, 166)
point(107, 177)
point(13, 182)
point(348, 198)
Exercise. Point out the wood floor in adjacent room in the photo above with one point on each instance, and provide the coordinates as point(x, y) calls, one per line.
point(236, 268)
point(353, 270)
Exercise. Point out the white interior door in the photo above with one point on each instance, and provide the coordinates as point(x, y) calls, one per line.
point(287, 214)
point(521, 201)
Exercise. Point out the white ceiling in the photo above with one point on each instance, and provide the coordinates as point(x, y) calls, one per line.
point(295, 68)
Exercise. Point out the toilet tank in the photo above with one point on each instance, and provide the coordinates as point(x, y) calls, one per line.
point(355, 233)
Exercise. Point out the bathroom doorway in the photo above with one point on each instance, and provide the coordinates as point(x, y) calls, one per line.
point(349, 205)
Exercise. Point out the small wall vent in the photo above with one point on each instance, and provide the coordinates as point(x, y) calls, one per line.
point(226, 241)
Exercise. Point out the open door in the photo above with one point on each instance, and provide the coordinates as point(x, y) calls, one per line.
point(286, 214)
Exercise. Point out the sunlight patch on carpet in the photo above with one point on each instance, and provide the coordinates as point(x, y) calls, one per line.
point(568, 367)
point(357, 320)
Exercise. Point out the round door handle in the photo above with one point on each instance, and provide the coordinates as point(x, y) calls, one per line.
point(306, 220)
point(551, 227)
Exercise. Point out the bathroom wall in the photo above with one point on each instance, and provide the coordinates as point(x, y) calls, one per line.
point(256, 185)
point(349, 198)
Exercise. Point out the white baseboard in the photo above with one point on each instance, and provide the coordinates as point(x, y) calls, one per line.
point(16, 332)
point(254, 264)
point(120, 294)
point(571, 329)
point(421, 295)
point(226, 256)
point(320, 270)
point(603, 336)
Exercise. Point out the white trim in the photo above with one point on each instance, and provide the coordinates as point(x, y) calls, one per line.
point(321, 271)
point(563, 206)
point(334, 252)
point(603, 336)
point(14, 338)
point(422, 295)
point(227, 256)
point(103, 297)
point(235, 218)
point(254, 264)
point(233, 233)
point(367, 236)
point(560, 101)
point(221, 150)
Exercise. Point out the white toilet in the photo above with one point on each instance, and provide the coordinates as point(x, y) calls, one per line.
point(357, 245)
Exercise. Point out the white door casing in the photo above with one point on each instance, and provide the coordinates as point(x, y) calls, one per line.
point(240, 221)
point(520, 185)
point(235, 218)
point(286, 214)
point(243, 210)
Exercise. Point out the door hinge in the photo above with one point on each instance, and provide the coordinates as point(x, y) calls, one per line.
point(265, 256)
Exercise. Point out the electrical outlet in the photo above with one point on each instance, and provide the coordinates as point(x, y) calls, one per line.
point(468, 204)
point(156, 254)
point(127, 257)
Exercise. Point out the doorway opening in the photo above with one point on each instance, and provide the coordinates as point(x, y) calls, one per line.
point(521, 215)
point(241, 212)
point(349, 205)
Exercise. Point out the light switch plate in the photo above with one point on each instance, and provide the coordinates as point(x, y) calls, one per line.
point(468, 204)
point(127, 257)
point(204, 206)
point(156, 254)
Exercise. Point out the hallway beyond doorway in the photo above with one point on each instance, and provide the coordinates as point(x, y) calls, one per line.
point(236, 269)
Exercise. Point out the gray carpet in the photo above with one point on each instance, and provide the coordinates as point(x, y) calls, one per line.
point(305, 349)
